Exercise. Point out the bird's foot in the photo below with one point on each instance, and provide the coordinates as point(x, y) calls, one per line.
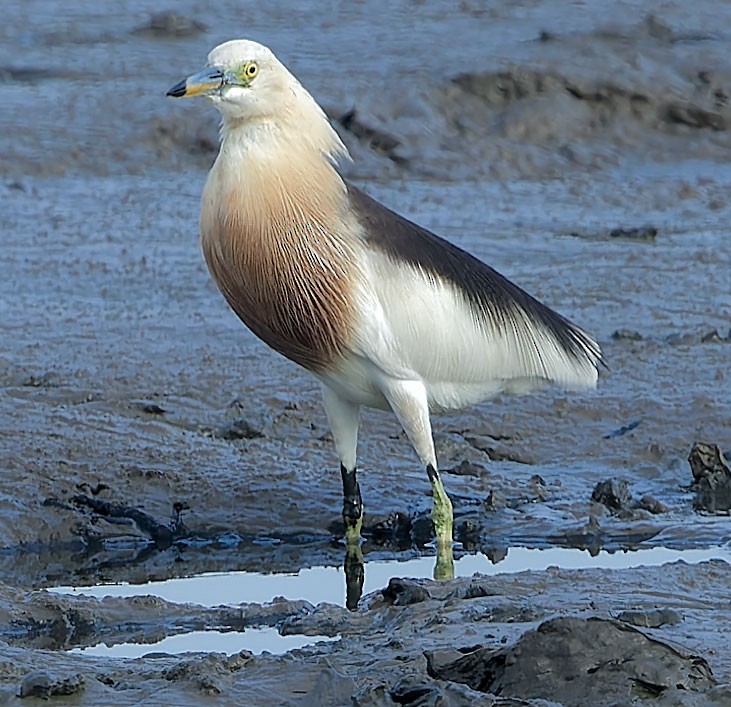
point(352, 529)
point(442, 516)
point(354, 567)
point(352, 506)
point(444, 566)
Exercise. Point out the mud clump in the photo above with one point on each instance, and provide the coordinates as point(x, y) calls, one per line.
point(375, 138)
point(614, 494)
point(237, 430)
point(605, 101)
point(643, 233)
point(208, 673)
point(712, 478)
point(577, 662)
point(651, 618)
point(402, 592)
point(170, 24)
point(41, 684)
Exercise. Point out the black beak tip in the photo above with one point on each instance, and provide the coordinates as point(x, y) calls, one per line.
point(177, 91)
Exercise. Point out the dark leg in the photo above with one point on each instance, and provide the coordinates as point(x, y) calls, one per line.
point(352, 504)
point(353, 519)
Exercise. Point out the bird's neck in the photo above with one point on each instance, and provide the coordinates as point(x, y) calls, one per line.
point(277, 236)
point(268, 177)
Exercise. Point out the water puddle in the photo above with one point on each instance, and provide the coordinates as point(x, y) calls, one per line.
point(326, 584)
point(256, 640)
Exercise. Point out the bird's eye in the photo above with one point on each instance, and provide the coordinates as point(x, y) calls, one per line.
point(251, 70)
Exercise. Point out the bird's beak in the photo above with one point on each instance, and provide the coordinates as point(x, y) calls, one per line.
point(205, 82)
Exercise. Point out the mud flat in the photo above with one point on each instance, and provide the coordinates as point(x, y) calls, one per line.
point(583, 151)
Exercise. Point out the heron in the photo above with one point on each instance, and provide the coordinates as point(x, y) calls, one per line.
point(383, 312)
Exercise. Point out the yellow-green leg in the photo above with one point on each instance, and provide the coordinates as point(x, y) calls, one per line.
point(354, 567)
point(443, 518)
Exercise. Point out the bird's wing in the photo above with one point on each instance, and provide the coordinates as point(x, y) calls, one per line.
point(440, 313)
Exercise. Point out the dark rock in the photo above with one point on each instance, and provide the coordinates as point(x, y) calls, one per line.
point(401, 592)
point(417, 691)
point(41, 684)
point(149, 407)
point(395, 529)
point(377, 140)
point(466, 468)
point(642, 233)
point(478, 587)
point(579, 662)
point(171, 24)
point(31, 75)
point(621, 431)
point(712, 478)
point(657, 29)
point(493, 501)
point(510, 614)
point(46, 380)
point(468, 533)
point(494, 453)
point(694, 116)
point(713, 337)
point(495, 554)
point(238, 429)
point(422, 530)
point(627, 335)
point(162, 535)
point(652, 505)
point(212, 664)
point(681, 339)
point(412, 691)
point(588, 537)
point(501, 88)
point(705, 459)
point(37, 684)
point(651, 618)
point(174, 135)
point(537, 486)
point(614, 494)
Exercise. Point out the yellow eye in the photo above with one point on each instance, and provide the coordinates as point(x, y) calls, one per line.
point(251, 70)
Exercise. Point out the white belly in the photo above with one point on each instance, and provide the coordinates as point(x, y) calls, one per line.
point(414, 328)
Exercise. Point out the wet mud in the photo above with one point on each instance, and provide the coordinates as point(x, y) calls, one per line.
point(582, 151)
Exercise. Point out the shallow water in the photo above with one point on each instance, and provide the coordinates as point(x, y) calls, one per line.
point(255, 640)
point(325, 584)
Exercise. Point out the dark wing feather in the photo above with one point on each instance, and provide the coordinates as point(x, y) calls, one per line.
point(493, 296)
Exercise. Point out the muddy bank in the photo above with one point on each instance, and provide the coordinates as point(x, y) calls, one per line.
point(530, 90)
point(412, 643)
point(126, 381)
point(582, 151)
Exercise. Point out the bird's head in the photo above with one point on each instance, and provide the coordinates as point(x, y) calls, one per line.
point(245, 81)
point(249, 85)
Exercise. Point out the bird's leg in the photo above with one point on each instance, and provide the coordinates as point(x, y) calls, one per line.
point(343, 416)
point(354, 567)
point(408, 400)
point(441, 514)
point(352, 506)
point(353, 519)
point(443, 518)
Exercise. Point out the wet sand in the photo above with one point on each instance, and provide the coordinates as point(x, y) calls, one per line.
point(582, 152)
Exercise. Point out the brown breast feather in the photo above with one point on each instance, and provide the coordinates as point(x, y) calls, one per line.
point(282, 260)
